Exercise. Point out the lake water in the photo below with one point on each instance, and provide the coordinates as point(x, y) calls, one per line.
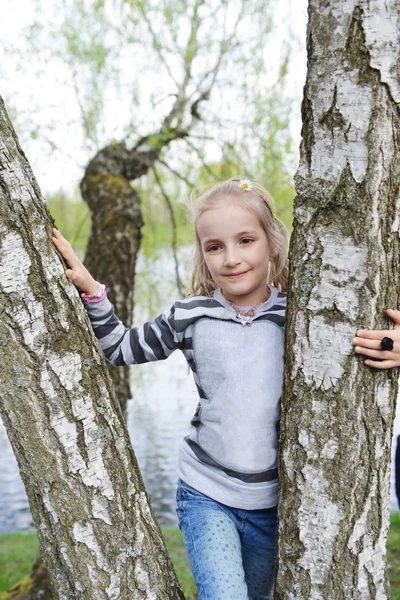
point(164, 400)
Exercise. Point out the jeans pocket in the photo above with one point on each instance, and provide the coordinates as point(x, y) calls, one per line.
point(188, 498)
point(184, 495)
point(187, 491)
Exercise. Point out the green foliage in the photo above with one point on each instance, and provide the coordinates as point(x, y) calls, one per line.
point(121, 66)
point(72, 218)
point(157, 230)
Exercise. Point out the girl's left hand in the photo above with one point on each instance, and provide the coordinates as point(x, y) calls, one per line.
point(368, 343)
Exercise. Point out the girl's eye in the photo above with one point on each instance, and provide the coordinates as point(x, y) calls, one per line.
point(212, 248)
point(246, 241)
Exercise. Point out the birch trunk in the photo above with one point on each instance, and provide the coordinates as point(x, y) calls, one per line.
point(95, 526)
point(337, 413)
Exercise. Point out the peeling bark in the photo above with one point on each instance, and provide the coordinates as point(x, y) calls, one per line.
point(337, 415)
point(95, 526)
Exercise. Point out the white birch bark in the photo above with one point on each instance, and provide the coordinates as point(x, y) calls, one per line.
point(337, 413)
point(96, 529)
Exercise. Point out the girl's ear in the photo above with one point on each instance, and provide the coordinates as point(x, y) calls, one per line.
point(272, 252)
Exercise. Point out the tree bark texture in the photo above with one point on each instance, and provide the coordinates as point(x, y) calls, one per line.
point(337, 415)
point(95, 526)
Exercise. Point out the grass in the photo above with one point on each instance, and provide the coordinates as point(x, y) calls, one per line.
point(176, 549)
point(393, 556)
point(18, 551)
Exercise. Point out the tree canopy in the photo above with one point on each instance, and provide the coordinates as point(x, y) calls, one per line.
point(115, 71)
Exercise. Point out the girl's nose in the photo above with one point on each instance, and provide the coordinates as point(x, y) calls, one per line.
point(231, 258)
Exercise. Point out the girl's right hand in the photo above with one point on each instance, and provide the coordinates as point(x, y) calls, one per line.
point(77, 273)
point(368, 343)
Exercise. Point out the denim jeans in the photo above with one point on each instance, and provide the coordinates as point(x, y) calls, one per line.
point(231, 551)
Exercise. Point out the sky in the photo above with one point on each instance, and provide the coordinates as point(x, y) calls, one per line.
point(56, 103)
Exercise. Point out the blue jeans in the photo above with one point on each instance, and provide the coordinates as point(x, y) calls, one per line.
point(231, 551)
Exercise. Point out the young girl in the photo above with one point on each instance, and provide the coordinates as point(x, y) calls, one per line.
point(230, 330)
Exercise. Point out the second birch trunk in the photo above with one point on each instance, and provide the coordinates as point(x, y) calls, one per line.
point(338, 414)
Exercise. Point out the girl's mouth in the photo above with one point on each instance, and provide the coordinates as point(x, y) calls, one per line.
point(236, 275)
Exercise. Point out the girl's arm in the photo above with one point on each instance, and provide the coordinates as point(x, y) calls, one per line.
point(154, 340)
point(368, 343)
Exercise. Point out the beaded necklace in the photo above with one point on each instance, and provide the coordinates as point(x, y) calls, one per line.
point(245, 316)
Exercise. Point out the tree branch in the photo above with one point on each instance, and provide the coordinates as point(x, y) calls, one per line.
point(176, 173)
point(174, 232)
point(205, 165)
point(156, 44)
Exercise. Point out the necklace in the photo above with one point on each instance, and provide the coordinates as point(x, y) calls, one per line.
point(245, 316)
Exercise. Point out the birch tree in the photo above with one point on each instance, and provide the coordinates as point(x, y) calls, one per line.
point(96, 529)
point(337, 413)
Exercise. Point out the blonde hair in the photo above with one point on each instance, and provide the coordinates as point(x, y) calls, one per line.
point(258, 201)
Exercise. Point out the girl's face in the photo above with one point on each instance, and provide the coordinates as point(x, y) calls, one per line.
point(236, 251)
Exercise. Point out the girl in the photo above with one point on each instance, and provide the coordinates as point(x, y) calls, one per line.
point(230, 330)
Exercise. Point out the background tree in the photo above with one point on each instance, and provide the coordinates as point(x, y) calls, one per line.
point(338, 414)
point(115, 206)
point(114, 72)
point(62, 417)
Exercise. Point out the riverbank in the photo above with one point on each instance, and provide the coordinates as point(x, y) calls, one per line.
point(18, 551)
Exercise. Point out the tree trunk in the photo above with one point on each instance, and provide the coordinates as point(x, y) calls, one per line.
point(95, 526)
point(337, 415)
point(116, 225)
point(114, 240)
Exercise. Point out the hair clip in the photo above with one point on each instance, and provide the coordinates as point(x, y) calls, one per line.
point(246, 184)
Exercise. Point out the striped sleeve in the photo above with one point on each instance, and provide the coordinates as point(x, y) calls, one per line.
point(154, 340)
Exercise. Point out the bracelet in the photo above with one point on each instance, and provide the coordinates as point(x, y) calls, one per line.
point(98, 296)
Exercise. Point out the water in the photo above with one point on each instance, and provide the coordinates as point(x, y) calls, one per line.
point(164, 400)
